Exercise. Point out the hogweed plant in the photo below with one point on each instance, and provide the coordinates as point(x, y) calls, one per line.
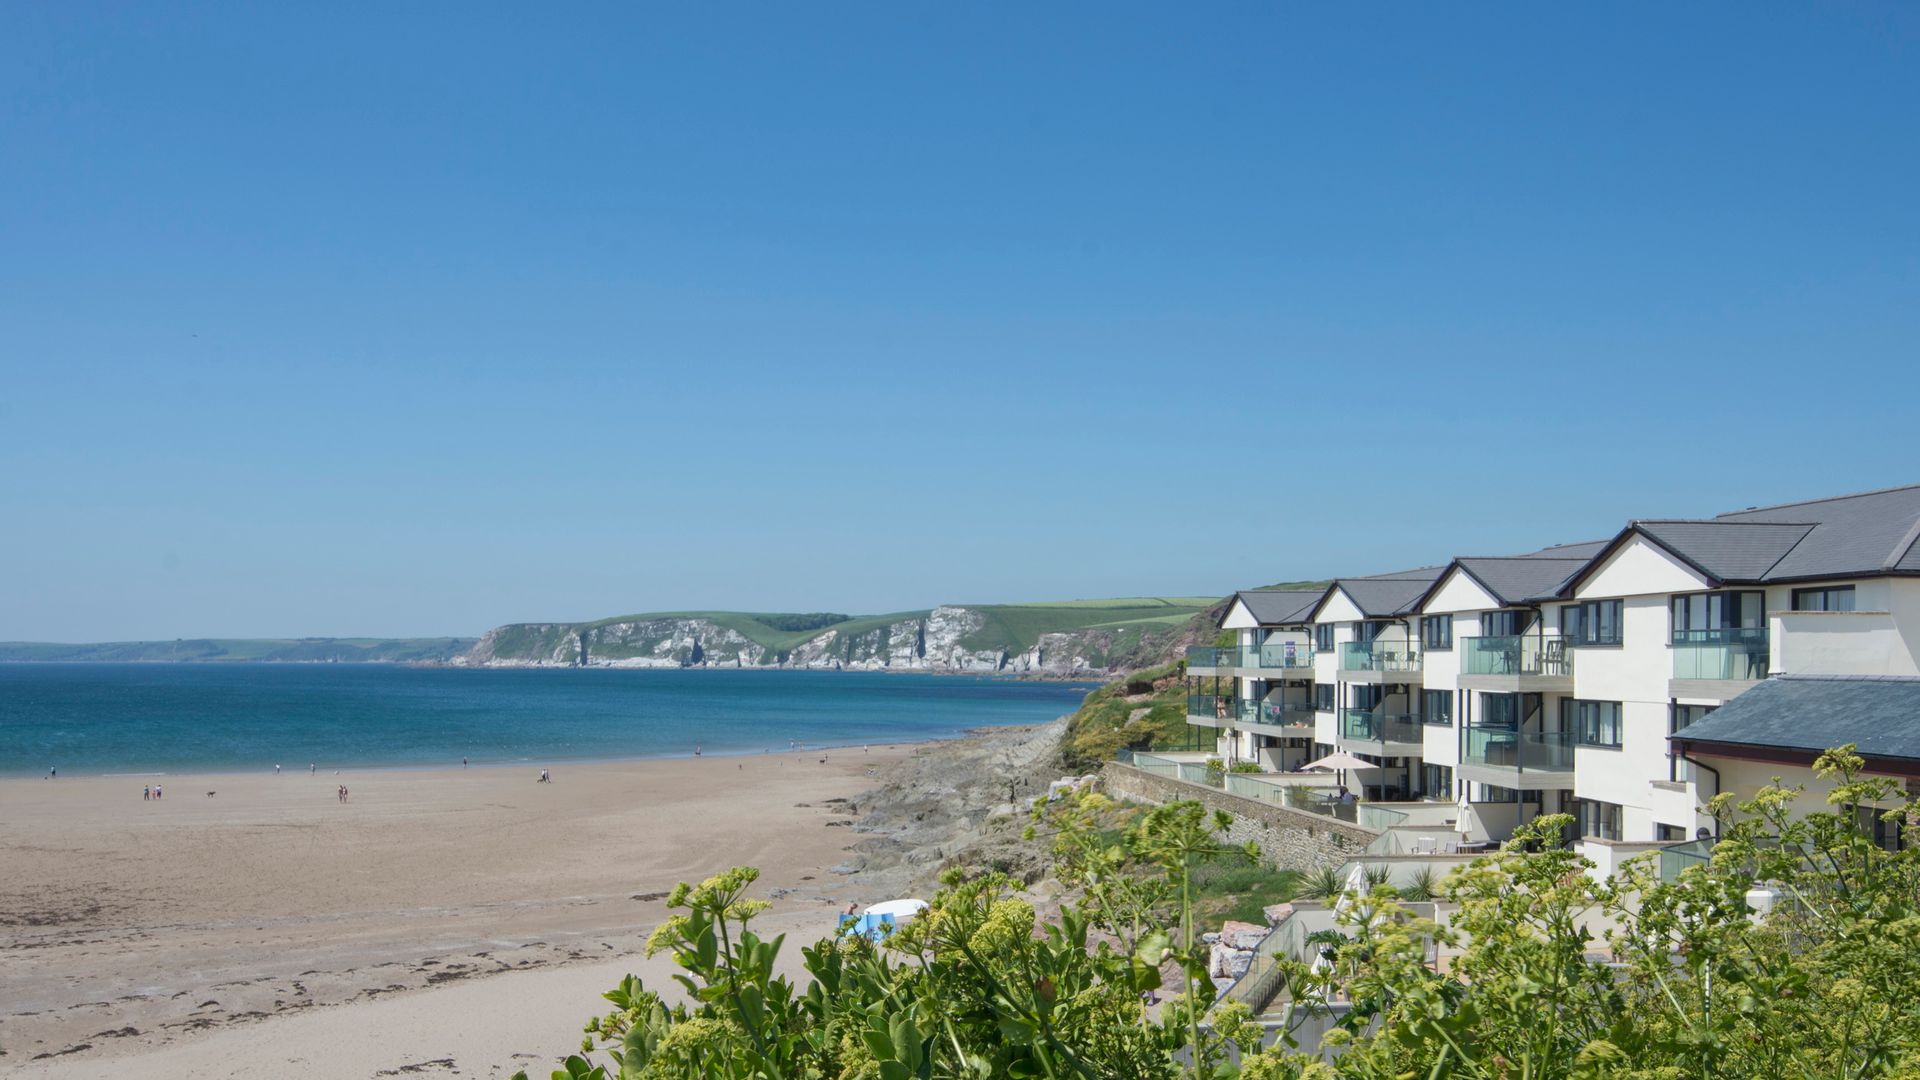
point(1535, 968)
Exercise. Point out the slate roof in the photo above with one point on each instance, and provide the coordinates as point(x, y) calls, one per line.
point(1515, 580)
point(1728, 550)
point(1874, 532)
point(1863, 535)
point(1280, 607)
point(1584, 550)
point(1880, 714)
point(1385, 595)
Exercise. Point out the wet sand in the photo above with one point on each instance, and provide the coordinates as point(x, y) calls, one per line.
point(271, 927)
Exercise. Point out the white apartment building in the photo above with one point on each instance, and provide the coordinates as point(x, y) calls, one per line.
point(1497, 675)
point(1674, 619)
point(1565, 680)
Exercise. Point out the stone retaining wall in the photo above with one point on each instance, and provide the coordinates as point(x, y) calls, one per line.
point(1290, 839)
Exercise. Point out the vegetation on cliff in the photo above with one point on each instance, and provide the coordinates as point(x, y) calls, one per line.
point(1141, 711)
point(1552, 973)
point(1099, 634)
point(273, 650)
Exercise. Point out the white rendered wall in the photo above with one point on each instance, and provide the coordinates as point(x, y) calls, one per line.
point(1635, 674)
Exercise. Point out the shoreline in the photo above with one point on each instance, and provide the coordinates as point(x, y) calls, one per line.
point(536, 763)
point(275, 929)
point(143, 929)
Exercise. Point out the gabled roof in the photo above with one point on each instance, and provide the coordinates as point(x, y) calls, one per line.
point(1517, 580)
point(1873, 532)
point(1879, 714)
point(1865, 535)
point(1728, 550)
point(1280, 607)
point(1527, 578)
point(1584, 550)
point(1383, 596)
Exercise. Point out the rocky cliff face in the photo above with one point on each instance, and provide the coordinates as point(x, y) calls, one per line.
point(951, 638)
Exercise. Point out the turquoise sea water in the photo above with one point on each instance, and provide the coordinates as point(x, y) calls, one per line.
point(159, 718)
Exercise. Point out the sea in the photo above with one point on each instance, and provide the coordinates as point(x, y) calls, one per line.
point(156, 719)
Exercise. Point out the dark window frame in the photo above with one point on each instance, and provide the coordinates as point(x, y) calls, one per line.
point(1588, 721)
point(1749, 613)
point(1436, 642)
point(1441, 717)
point(1826, 593)
point(1586, 628)
point(1323, 637)
point(1596, 818)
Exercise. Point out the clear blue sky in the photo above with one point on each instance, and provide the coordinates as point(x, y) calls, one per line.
point(416, 319)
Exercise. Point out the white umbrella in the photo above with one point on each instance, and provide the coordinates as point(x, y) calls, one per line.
point(1341, 761)
point(899, 909)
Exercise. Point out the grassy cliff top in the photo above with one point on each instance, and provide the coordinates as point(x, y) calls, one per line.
point(345, 650)
point(1013, 627)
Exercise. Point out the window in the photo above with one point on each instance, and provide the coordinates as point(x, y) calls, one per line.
point(1321, 749)
point(1436, 707)
point(1593, 723)
point(1436, 781)
point(1494, 793)
point(1600, 820)
point(1323, 637)
point(1830, 598)
point(1685, 716)
point(1594, 622)
point(1366, 632)
point(1369, 697)
point(1668, 834)
point(1436, 631)
point(1323, 696)
point(1500, 624)
point(1717, 617)
point(1500, 711)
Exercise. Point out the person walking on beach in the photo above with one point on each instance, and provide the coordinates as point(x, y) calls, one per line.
point(463, 763)
point(276, 768)
point(146, 793)
point(51, 773)
point(312, 769)
point(156, 791)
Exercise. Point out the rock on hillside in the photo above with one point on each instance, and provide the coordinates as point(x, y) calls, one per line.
point(950, 638)
point(955, 802)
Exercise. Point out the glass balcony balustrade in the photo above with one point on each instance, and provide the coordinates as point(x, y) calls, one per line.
point(1379, 726)
point(1272, 656)
point(1384, 656)
point(1505, 748)
point(1519, 654)
point(1736, 654)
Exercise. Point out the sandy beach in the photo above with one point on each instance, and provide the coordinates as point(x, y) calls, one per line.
point(272, 928)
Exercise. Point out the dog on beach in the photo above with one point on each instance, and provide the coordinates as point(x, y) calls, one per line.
point(209, 794)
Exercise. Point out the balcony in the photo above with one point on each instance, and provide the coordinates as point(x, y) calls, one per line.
point(1376, 731)
point(1220, 710)
point(1286, 659)
point(1523, 760)
point(1290, 718)
point(1718, 664)
point(1379, 662)
point(1273, 660)
point(1521, 662)
point(1217, 659)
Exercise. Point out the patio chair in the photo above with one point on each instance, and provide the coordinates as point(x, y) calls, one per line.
point(1554, 660)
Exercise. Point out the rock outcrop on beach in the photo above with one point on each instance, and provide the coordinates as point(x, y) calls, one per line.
point(1070, 639)
point(961, 802)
